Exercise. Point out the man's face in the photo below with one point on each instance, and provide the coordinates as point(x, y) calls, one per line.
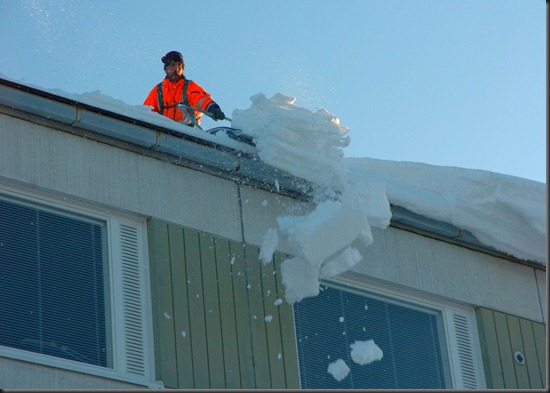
point(174, 71)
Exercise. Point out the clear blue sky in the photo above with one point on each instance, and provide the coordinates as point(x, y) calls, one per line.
point(444, 82)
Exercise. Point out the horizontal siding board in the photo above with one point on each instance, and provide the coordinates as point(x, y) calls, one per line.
point(230, 346)
point(161, 287)
point(180, 313)
point(530, 352)
point(212, 309)
point(197, 320)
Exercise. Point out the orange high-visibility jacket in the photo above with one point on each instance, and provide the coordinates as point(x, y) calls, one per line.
point(172, 93)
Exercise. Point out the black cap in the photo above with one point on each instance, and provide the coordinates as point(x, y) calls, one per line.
point(172, 57)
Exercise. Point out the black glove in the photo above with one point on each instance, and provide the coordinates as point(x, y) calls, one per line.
point(214, 111)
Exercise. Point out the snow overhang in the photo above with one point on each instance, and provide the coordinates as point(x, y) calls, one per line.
point(407, 220)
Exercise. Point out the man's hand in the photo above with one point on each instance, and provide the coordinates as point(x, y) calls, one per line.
point(214, 111)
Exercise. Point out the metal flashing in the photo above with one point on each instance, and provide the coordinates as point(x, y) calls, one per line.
point(201, 154)
point(111, 127)
point(37, 105)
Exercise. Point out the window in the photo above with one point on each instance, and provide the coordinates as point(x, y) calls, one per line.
point(413, 338)
point(73, 289)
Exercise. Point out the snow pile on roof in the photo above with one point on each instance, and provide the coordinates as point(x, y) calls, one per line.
point(503, 212)
point(309, 145)
point(306, 144)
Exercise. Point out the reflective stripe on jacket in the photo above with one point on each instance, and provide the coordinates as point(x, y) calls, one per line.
point(172, 93)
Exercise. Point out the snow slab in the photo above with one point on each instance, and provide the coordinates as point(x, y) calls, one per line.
point(365, 352)
point(338, 369)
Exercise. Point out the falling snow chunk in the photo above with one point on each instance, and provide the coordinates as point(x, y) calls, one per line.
point(341, 319)
point(300, 279)
point(268, 318)
point(232, 260)
point(166, 315)
point(265, 203)
point(278, 302)
point(270, 241)
point(279, 356)
point(339, 369)
point(184, 334)
point(365, 352)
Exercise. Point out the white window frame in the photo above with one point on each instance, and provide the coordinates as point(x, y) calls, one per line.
point(459, 324)
point(131, 330)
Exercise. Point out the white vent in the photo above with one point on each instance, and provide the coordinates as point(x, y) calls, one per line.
point(467, 377)
point(132, 293)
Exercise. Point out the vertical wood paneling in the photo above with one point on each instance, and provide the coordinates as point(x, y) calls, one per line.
point(161, 290)
point(541, 345)
point(195, 299)
point(242, 317)
point(180, 312)
point(212, 312)
point(516, 343)
point(506, 358)
point(224, 262)
point(211, 298)
point(258, 324)
point(531, 356)
point(273, 325)
point(500, 336)
point(489, 349)
point(288, 334)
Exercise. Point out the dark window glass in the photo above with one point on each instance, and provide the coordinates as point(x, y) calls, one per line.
point(409, 338)
point(52, 284)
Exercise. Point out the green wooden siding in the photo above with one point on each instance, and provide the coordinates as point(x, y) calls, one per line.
point(216, 321)
point(501, 335)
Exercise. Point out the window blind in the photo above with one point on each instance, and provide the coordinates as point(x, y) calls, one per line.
point(409, 337)
point(52, 283)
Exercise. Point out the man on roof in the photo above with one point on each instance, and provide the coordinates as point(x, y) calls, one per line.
point(181, 99)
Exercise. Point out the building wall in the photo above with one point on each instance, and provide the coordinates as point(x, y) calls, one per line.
point(15, 374)
point(209, 316)
point(211, 300)
point(501, 335)
point(455, 273)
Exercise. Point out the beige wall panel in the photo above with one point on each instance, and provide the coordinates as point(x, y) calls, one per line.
point(453, 272)
point(543, 294)
point(260, 211)
point(116, 177)
point(15, 374)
